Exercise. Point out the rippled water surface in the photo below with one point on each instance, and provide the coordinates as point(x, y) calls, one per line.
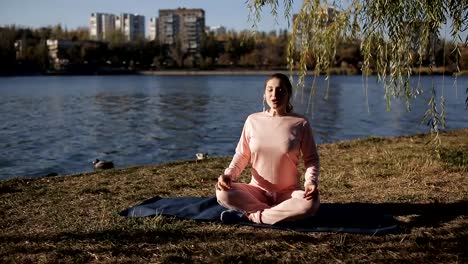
point(60, 124)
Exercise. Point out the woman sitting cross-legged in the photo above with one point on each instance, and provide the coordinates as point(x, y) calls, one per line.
point(273, 141)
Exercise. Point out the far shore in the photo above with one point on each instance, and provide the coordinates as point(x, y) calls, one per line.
point(333, 71)
point(236, 71)
point(216, 72)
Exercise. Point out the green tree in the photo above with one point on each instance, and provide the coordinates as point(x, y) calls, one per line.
point(445, 55)
point(7, 50)
point(41, 56)
point(463, 62)
point(177, 53)
point(73, 54)
point(116, 38)
point(237, 45)
point(349, 52)
point(209, 49)
point(254, 58)
point(44, 33)
point(57, 32)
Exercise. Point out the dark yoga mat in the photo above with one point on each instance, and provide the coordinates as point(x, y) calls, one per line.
point(332, 217)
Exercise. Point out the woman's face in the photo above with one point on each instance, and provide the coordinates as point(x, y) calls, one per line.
point(276, 95)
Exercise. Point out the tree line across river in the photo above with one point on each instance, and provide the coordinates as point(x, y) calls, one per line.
point(232, 50)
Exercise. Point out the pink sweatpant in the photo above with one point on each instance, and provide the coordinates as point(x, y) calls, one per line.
point(267, 208)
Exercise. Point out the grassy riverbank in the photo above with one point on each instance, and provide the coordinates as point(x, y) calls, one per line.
point(75, 218)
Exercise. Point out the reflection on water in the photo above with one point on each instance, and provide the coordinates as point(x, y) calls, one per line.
point(61, 124)
point(323, 109)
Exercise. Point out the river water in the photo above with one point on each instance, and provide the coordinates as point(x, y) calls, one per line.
point(60, 124)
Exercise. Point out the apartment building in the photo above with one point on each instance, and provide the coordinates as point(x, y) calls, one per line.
point(184, 25)
point(101, 25)
point(131, 25)
point(153, 28)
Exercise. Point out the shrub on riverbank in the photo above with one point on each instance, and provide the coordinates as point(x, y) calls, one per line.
point(75, 218)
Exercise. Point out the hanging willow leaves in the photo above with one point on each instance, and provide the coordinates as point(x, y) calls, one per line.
point(433, 118)
point(395, 37)
point(466, 100)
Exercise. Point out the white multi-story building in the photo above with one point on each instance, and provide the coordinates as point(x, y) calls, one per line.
point(153, 28)
point(101, 25)
point(131, 25)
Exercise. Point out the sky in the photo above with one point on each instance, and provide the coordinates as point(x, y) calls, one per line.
point(232, 14)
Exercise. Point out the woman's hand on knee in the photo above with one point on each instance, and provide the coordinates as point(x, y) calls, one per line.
point(224, 182)
point(310, 192)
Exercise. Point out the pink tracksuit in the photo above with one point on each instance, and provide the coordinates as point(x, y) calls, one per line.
point(273, 145)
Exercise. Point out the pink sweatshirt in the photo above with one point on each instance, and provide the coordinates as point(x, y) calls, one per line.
point(273, 145)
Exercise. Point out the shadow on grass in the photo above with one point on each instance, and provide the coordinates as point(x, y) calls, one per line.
point(428, 214)
point(359, 217)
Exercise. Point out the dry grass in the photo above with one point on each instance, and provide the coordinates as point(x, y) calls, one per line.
point(75, 218)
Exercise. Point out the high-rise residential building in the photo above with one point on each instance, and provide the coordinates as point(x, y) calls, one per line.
point(101, 25)
point(131, 25)
point(184, 25)
point(153, 28)
point(167, 28)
